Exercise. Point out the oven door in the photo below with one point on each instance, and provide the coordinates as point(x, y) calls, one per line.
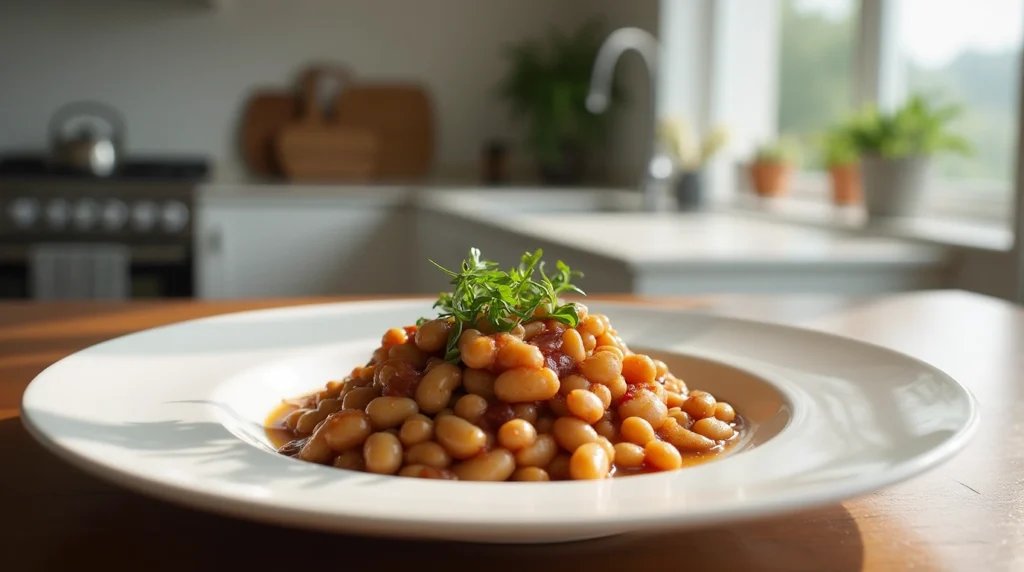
point(95, 271)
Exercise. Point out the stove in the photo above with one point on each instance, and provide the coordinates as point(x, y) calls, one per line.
point(146, 208)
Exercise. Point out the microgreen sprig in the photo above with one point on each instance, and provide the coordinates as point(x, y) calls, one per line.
point(503, 299)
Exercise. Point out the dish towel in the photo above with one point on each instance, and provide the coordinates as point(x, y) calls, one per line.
point(79, 272)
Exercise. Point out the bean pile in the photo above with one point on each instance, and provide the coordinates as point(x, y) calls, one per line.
point(543, 402)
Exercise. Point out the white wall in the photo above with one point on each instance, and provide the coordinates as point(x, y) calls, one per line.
point(180, 72)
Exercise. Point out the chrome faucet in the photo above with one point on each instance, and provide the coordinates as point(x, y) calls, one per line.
point(659, 171)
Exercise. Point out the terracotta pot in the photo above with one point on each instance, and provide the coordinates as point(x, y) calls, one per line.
point(770, 179)
point(846, 189)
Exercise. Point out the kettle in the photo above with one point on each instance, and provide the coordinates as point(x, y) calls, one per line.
point(84, 150)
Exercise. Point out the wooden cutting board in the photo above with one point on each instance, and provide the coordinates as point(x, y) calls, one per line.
point(313, 149)
point(265, 114)
point(401, 114)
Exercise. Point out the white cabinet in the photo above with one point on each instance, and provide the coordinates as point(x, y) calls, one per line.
point(286, 248)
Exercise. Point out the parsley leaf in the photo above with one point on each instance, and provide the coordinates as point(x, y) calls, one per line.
point(481, 293)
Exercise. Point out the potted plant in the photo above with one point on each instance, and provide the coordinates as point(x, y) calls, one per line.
point(689, 153)
point(546, 86)
point(773, 167)
point(895, 150)
point(843, 163)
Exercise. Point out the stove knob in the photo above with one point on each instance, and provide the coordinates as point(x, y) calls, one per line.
point(57, 213)
point(85, 213)
point(174, 216)
point(144, 215)
point(114, 215)
point(24, 212)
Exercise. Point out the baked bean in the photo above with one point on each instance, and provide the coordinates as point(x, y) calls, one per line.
point(366, 374)
point(629, 455)
point(602, 367)
point(416, 429)
point(637, 430)
point(683, 438)
point(680, 416)
point(660, 369)
point(571, 432)
point(436, 387)
point(333, 388)
point(525, 411)
point(516, 434)
point(394, 337)
point(713, 428)
point(585, 404)
point(589, 462)
point(316, 450)
point(442, 413)
point(382, 453)
point(558, 469)
point(540, 312)
point(659, 390)
point(360, 397)
point(309, 420)
point(724, 412)
point(610, 349)
point(589, 341)
point(540, 454)
point(662, 456)
point(479, 382)
point(428, 453)
point(606, 427)
point(699, 405)
point(292, 421)
point(409, 353)
point(572, 345)
point(459, 437)
point(618, 388)
point(432, 336)
point(645, 404)
point(581, 310)
point(477, 350)
point(380, 355)
point(525, 385)
point(609, 341)
point(609, 449)
point(517, 354)
point(571, 382)
point(533, 329)
point(594, 324)
point(496, 465)
point(673, 399)
point(603, 393)
point(534, 474)
point(470, 407)
point(671, 385)
point(544, 424)
point(351, 460)
point(432, 362)
point(363, 381)
point(518, 331)
point(388, 412)
point(345, 429)
point(638, 369)
point(411, 470)
point(557, 406)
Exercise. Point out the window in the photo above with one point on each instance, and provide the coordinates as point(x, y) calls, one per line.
point(952, 51)
point(816, 57)
point(967, 52)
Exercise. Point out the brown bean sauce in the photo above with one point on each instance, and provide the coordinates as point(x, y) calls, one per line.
point(550, 344)
point(398, 378)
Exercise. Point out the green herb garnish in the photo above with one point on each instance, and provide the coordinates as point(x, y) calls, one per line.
point(502, 300)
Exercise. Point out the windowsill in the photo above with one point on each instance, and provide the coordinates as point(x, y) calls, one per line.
point(815, 211)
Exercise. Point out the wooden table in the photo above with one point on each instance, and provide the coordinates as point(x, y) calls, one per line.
point(965, 515)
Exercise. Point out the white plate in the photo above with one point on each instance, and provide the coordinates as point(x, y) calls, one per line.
point(177, 412)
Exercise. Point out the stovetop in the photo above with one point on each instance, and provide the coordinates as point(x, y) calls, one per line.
point(164, 169)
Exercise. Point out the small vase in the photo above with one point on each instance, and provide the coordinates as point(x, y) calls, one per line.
point(770, 179)
point(690, 191)
point(846, 188)
point(893, 187)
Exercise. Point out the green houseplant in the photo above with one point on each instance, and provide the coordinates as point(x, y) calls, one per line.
point(895, 149)
point(546, 86)
point(772, 167)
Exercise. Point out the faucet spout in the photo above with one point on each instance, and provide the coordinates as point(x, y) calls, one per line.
point(617, 43)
